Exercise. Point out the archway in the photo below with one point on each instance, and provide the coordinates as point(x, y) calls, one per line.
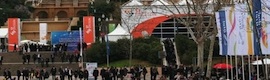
point(62, 14)
point(81, 13)
point(42, 14)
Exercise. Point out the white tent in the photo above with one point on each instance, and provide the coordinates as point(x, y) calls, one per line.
point(118, 33)
point(259, 62)
point(3, 32)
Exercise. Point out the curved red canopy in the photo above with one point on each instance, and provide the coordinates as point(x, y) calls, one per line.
point(222, 66)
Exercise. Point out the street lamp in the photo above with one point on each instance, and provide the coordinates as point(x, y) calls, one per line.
point(104, 33)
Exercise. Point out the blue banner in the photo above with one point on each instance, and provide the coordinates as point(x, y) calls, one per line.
point(222, 17)
point(257, 16)
point(72, 38)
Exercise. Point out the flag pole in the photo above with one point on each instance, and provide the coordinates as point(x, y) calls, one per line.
point(243, 71)
point(227, 70)
point(249, 72)
point(80, 31)
point(258, 76)
point(231, 69)
point(266, 67)
point(108, 50)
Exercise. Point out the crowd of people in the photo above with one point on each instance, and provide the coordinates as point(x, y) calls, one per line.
point(54, 73)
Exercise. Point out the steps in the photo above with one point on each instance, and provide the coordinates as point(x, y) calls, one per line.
point(14, 62)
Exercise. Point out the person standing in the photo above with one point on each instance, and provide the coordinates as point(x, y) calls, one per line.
point(15, 47)
point(25, 74)
point(52, 58)
point(153, 73)
point(144, 73)
point(9, 74)
point(1, 60)
point(19, 74)
point(102, 73)
point(95, 73)
point(53, 72)
point(34, 57)
point(85, 74)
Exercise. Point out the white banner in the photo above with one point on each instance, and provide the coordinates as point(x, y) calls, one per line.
point(90, 68)
point(43, 33)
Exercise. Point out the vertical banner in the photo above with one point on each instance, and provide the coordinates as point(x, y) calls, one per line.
point(43, 33)
point(13, 32)
point(88, 30)
point(222, 28)
point(90, 67)
point(257, 15)
point(266, 27)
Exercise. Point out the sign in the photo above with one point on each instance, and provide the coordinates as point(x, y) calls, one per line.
point(72, 38)
point(13, 32)
point(88, 30)
point(90, 68)
point(43, 33)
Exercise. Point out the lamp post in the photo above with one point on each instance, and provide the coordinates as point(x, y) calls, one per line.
point(103, 29)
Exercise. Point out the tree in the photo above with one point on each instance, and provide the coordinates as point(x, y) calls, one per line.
point(14, 8)
point(200, 15)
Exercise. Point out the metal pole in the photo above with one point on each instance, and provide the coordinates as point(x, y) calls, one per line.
point(258, 76)
point(231, 69)
point(243, 72)
point(81, 53)
point(227, 70)
point(266, 67)
point(236, 67)
point(249, 68)
point(108, 47)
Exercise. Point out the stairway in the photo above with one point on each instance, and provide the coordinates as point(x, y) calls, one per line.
point(73, 22)
point(14, 62)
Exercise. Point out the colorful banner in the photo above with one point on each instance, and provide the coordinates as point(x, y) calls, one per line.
point(71, 38)
point(43, 33)
point(235, 31)
point(89, 30)
point(13, 33)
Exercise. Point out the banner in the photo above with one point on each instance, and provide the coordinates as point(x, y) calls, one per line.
point(90, 68)
point(235, 31)
point(71, 38)
point(88, 30)
point(265, 38)
point(13, 33)
point(222, 32)
point(257, 14)
point(43, 33)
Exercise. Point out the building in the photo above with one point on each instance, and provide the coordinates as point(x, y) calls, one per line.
point(60, 15)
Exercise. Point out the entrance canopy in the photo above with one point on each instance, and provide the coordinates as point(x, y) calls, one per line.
point(3, 32)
